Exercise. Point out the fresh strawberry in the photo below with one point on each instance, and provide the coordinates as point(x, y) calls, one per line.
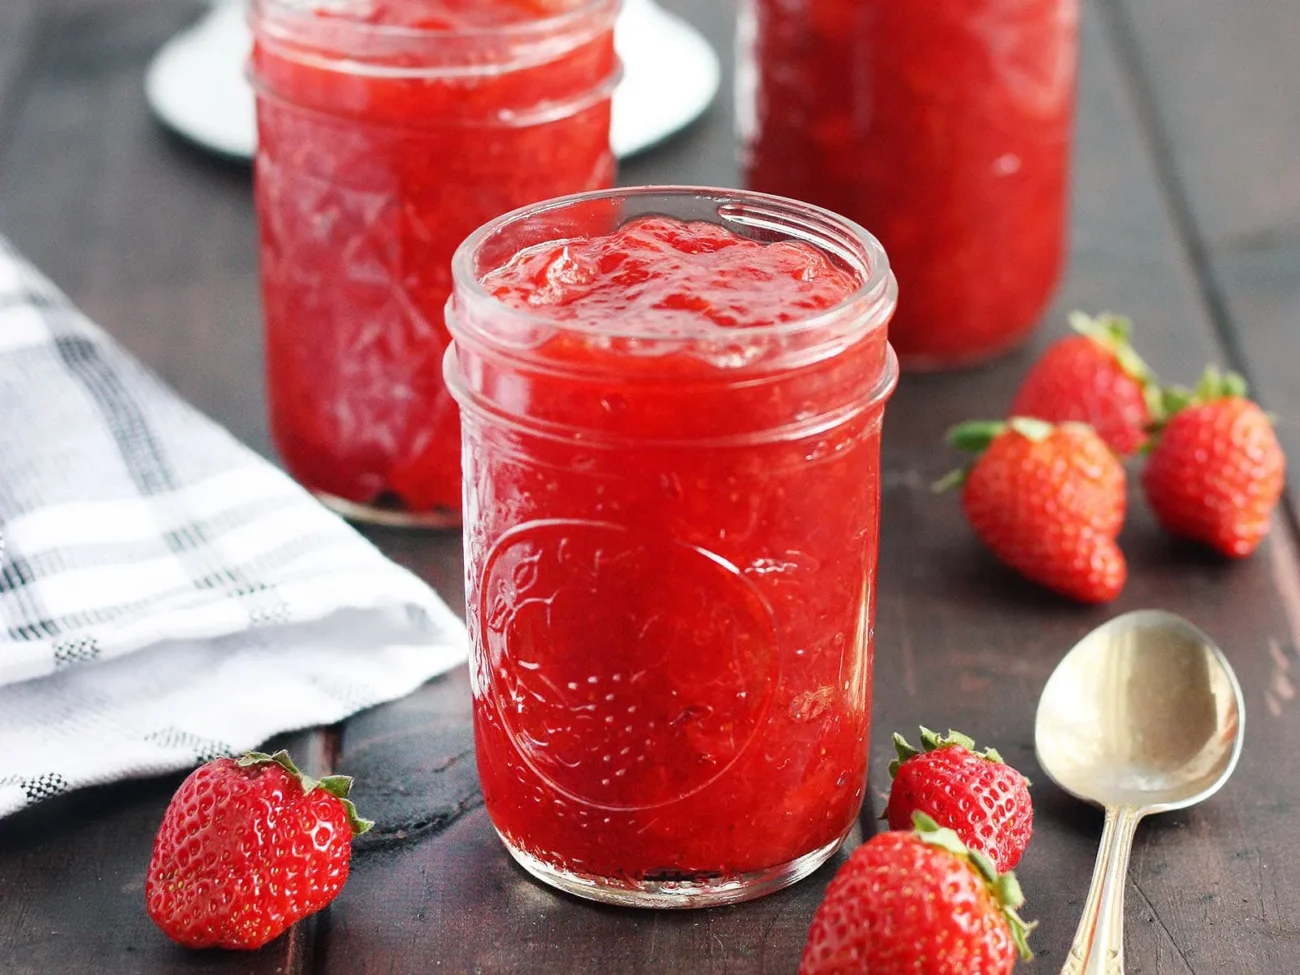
point(975, 794)
point(1094, 377)
point(248, 847)
point(1048, 501)
point(1216, 470)
point(917, 903)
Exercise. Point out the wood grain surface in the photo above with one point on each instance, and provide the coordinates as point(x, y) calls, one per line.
point(1187, 194)
point(1222, 80)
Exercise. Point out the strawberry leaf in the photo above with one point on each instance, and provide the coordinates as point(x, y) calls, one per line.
point(1114, 333)
point(1106, 328)
point(357, 822)
point(1009, 892)
point(1208, 385)
point(932, 741)
point(1158, 404)
point(953, 479)
point(282, 759)
point(1177, 398)
point(935, 835)
point(1214, 384)
point(1005, 888)
point(1234, 384)
point(339, 786)
point(904, 751)
point(1020, 931)
point(974, 436)
point(1031, 428)
point(971, 437)
point(336, 785)
point(929, 740)
point(1168, 401)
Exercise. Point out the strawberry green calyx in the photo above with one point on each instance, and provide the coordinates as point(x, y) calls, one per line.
point(953, 479)
point(1031, 429)
point(975, 436)
point(1004, 887)
point(1111, 330)
point(1214, 384)
point(336, 785)
point(1221, 385)
point(339, 786)
point(931, 742)
point(1115, 334)
point(282, 759)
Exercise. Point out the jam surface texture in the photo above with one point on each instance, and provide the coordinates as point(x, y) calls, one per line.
point(671, 277)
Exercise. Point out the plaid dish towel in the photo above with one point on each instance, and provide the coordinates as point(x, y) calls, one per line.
point(166, 595)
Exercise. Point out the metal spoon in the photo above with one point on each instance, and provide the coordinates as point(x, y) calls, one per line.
point(1143, 716)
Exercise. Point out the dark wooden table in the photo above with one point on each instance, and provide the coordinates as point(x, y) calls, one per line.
point(1186, 215)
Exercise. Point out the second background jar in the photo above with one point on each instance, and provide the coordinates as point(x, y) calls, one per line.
point(944, 128)
point(386, 134)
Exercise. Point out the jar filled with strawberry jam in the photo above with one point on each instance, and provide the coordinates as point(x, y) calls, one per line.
point(387, 131)
point(671, 403)
point(945, 127)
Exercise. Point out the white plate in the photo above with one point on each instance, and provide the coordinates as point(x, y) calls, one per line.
point(196, 85)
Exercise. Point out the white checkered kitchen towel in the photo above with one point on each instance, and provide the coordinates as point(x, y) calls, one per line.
point(165, 594)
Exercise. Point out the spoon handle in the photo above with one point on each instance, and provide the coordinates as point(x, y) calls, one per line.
point(1098, 947)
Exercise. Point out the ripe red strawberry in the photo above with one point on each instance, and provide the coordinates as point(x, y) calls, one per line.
point(1048, 501)
point(1216, 470)
point(248, 847)
point(917, 903)
point(1094, 377)
point(976, 795)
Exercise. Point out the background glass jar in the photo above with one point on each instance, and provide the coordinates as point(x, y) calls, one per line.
point(671, 547)
point(380, 147)
point(943, 126)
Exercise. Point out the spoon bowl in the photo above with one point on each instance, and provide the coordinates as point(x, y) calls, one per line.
point(1143, 715)
point(1145, 711)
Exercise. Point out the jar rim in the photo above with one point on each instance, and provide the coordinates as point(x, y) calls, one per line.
point(748, 208)
point(305, 10)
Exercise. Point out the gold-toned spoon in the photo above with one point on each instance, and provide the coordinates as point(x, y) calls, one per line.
point(1143, 716)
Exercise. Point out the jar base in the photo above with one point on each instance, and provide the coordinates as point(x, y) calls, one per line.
point(676, 894)
point(370, 514)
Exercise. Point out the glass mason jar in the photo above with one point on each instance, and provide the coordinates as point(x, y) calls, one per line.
point(943, 126)
point(380, 147)
point(671, 545)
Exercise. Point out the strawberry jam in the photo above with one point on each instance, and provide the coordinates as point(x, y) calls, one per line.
point(388, 130)
point(671, 403)
point(944, 126)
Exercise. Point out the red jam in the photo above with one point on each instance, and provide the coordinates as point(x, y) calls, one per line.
point(388, 131)
point(671, 552)
point(671, 277)
point(942, 125)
